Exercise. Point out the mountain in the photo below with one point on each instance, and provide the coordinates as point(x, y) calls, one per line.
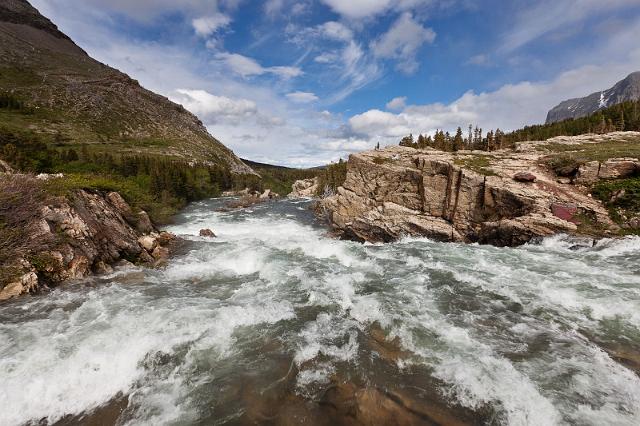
point(74, 100)
point(625, 90)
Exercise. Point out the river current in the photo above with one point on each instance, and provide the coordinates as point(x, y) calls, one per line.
point(273, 313)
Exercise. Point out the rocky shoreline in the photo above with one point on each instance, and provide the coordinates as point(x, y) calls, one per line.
point(63, 238)
point(503, 198)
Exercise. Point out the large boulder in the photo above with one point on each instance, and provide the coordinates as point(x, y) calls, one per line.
point(305, 188)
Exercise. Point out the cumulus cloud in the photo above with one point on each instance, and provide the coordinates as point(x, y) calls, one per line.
point(302, 97)
point(511, 106)
point(212, 108)
point(207, 25)
point(402, 42)
point(248, 67)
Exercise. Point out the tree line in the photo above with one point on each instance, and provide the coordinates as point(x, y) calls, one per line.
point(621, 117)
point(474, 140)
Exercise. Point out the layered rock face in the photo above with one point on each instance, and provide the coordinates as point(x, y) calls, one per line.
point(305, 188)
point(81, 234)
point(465, 197)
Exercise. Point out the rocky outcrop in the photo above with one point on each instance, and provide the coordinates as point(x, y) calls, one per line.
point(465, 197)
point(305, 188)
point(74, 236)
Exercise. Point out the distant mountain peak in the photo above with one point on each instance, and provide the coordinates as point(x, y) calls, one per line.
point(625, 90)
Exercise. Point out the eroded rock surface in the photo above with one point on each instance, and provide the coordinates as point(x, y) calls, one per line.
point(81, 234)
point(305, 188)
point(465, 196)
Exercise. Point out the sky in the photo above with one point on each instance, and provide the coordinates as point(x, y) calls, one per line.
point(307, 82)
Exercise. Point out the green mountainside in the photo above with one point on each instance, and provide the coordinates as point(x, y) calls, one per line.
point(70, 99)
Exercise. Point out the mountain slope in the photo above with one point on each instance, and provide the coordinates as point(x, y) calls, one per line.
point(625, 90)
point(73, 99)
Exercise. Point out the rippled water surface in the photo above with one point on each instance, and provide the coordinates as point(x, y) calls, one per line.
point(257, 325)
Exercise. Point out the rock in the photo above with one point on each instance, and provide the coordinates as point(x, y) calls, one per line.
point(5, 167)
point(148, 242)
point(79, 234)
point(444, 196)
point(161, 255)
point(166, 238)
point(207, 233)
point(28, 283)
point(144, 225)
point(266, 194)
point(524, 177)
point(102, 268)
point(565, 211)
point(47, 176)
point(118, 202)
point(305, 188)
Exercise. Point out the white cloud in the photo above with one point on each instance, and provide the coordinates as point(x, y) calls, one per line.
point(358, 8)
point(326, 58)
point(379, 123)
point(212, 108)
point(402, 42)
point(511, 106)
point(480, 60)
point(207, 25)
point(336, 30)
point(248, 67)
point(273, 7)
point(302, 97)
point(544, 17)
point(397, 103)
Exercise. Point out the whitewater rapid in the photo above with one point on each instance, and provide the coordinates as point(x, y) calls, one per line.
point(531, 332)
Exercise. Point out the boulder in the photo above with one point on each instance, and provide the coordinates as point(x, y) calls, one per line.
point(144, 225)
point(148, 242)
point(28, 283)
point(207, 233)
point(266, 194)
point(305, 188)
point(524, 177)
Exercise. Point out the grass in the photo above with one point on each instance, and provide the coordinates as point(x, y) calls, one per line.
point(625, 204)
point(602, 151)
point(476, 163)
point(134, 189)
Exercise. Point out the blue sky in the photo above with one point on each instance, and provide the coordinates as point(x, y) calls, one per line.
point(305, 82)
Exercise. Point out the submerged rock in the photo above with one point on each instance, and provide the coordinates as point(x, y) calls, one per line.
point(207, 233)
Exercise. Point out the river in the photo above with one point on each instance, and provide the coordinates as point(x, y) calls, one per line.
point(274, 322)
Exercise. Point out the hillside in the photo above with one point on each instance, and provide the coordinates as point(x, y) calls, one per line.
point(70, 99)
point(625, 90)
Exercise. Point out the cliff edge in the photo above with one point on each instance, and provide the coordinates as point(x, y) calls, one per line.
point(504, 198)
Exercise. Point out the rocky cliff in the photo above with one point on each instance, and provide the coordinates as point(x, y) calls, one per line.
point(503, 198)
point(625, 90)
point(47, 240)
point(83, 101)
